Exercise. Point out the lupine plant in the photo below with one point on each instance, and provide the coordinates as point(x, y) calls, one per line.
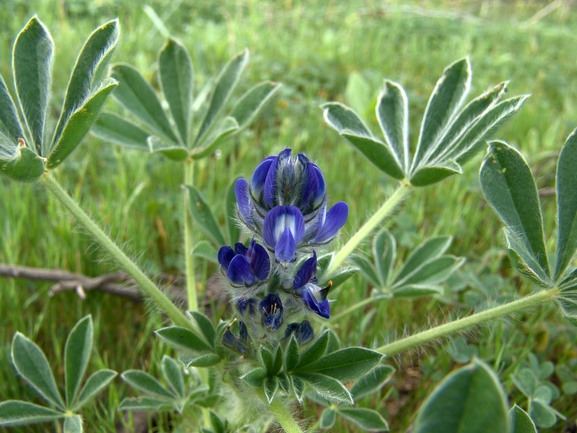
point(253, 369)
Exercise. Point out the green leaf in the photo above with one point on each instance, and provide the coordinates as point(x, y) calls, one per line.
point(217, 423)
point(521, 422)
point(32, 63)
point(76, 356)
point(144, 404)
point(478, 108)
point(393, 115)
point(298, 387)
point(225, 84)
point(476, 400)
point(207, 360)
point(351, 126)
point(385, 252)
point(254, 377)
point(31, 364)
point(277, 362)
point(14, 413)
point(78, 125)
point(270, 388)
point(315, 350)
point(205, 326)
point(95, 383)
point(327, 387)
point(72, 424)
point(367, 269)
point(267, 360)
point(327, 419)
point(474, 139)
point(567, 204)
point(138, 97)
point(339, 277)
point(367, 419)
point(250, 104)
point(345, 364)
point(9, 123)
point(19, 162)
point(116, 129)
point(183, 338)
point(291, 355)
point(174, 152)
point(434, 271)
point(176, 78)
point(508, 185)
point(173, 375)
point(203, 215)
point(372, 381)
point(416, 290)
point(205, 250)
point(429, 175)
point(87, 73)
point(230, 206)
point(446, 98)
point(145, 382)
point(542, 414)
point(227, 127)
point(426, 251)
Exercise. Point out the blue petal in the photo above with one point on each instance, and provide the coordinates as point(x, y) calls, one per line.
point(286, 247)
point(307, 271)
point(278, 219)
point(313, 193)
point(305, 332)
point(249, 306)
point(242, 332)
point(322, 308)
point(243, 200)
point(259, 260)
point(271, 309)
point(239, 248)
point(232, 341)
point(335, 218)
point(259, 176)
point(225, 255)
point(239, 271)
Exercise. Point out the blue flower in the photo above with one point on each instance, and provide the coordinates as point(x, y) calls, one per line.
point(305, 285)
point(284, 228)
point(271, 309)
point(303, 331)
point(245, 266)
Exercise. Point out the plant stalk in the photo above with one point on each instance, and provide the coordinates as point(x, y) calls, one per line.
point(188, 240)
point(494, 313)
point(145, 283)
point(385, 210)
point(283, 417)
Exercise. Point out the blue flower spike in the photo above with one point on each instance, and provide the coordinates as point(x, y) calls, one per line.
point(303, 332)
point(305, 285)
point(271, 309)
point(245, 266)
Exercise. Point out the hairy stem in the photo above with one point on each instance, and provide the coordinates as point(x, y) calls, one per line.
point(494, 313)
point(385, 210)
point(283, 417)
point(108, 244)
point(188, 240)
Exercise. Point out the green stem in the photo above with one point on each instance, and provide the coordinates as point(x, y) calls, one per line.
point(388, 206)
point(494, 313)
point(188, 240)
point(128, 265)
point(353, 308)
point(283, 417)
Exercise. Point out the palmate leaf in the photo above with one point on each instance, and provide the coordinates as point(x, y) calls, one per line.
point(476, 400)
point(346, 364)
point(521, 422)
point(116, 129)
point(393, 116)
point(94, 384)
point(429, 175)
point(19, 163)
point(76, 357)
point(176, 152)
point(566, 204)
point(250, 104)
point(15, 412)
point(9, 123)
point(145, 382)
point(176, 78)
point(227, 127)
point(31, 64)
point(446, 98)
point(203, 215)
point(225, 84)
point(385, 253)
point(372, 381)
point(508, 186)
point(72, 424)
point(326, 387)
point(428, 250)
point(348, 123)
point(367, 419)
point(172, 372)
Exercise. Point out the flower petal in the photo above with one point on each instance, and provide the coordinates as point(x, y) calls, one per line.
point(305, 332)
point(335, 218)
point(307, 271)
point(259, 177)
point(239, 271)
point(271, 309)
point(322, 308)
point(244, 305)
point(239, 248)
point(225, 255)
point(280, 218)
point(286, 248)
point(243, 200)
point(314, 189)
point(259, 261)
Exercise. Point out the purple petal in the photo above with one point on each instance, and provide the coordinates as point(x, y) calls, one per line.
point(225, 255)
point(278, 219)
point(239, 248)
point(305, 332)
point(335, 218)
point(239, 271)
point(243, 332)
point(243, 200)
point(243, 305)
point(322, 308)
point(286, 247)
point(259, 176)
point(314, 189)
point(259, 261)
point(307, 271)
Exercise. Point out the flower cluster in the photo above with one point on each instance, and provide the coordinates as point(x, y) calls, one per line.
point(273, 280)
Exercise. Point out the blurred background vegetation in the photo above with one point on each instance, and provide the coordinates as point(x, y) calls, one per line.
point(320, 50)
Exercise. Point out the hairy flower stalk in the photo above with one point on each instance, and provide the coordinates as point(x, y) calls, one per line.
point(272, 281)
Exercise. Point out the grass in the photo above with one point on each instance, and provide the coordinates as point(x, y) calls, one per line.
point(313, 48)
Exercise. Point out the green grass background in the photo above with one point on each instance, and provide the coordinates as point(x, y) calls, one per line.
point(313, 48)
